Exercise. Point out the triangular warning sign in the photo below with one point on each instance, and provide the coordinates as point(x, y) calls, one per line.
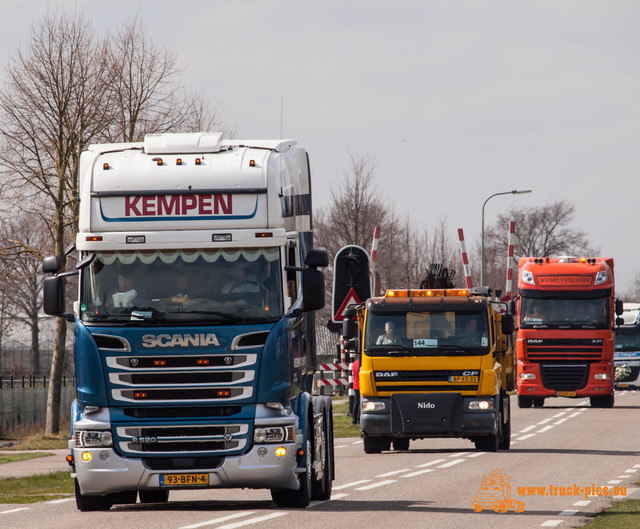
point(350, 299)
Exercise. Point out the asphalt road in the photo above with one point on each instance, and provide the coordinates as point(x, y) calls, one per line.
point(563, 457)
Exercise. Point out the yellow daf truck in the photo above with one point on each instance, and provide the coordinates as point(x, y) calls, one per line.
point(434, 363)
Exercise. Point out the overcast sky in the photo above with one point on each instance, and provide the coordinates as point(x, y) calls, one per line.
point(455, 100)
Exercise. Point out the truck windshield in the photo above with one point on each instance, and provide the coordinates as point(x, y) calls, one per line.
point(628, 342)
point(180, 286)
point(426, 333)
point(565, 312)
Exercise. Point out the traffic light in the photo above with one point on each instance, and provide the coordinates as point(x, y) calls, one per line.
point(351, 279)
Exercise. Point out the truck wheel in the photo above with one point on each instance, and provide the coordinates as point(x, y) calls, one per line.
point(302, 496)
point(524, 402)
point(87, 503)
point(538, 402)
point(490, 443)
point(321, 490)
point(375, 445)
point(401, 444)
point(604, 401)
point(154, 496)
point(126, 497)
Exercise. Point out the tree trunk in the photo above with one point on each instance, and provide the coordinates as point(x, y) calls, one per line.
point(35, 343)
point(55, 385)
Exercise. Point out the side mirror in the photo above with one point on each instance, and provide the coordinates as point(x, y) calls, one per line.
point(312, 289)
point(619, 321)
point(348, 328)
point(53, 296)
point(317, 258)
point(507, 323)
point(619, 307)
point(51, 264)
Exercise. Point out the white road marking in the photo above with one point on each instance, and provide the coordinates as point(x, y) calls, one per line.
point(63, 500)
point(545, 421)
point(418, 472)
point(568, 512)
point(430, 463)
point(581, 503)
point(459, 454)
point(545, 429)
point(451, 463)
point(338, 496)
point(476, 454)
point(392, 473)
point(560, 421)
point(375, 485)
point(526, 436)
point(559, 414)
point(253, 520)
point(551, 523)
point(631, 470)
point(614, 482)
point(219, 520)
point(525, 430)
point(352, 484)
point(574, 414)
point(15, 510)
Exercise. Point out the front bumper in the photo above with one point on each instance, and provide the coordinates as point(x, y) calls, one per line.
point(458, 421)
point(108, 472)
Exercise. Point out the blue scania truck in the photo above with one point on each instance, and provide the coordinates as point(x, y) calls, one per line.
point(194, 323)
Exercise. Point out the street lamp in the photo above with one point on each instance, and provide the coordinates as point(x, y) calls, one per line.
point(514, 192)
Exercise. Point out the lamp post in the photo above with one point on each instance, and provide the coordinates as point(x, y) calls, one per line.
point(514, 192)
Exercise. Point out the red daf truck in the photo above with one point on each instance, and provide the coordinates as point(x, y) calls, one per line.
point(566, 312)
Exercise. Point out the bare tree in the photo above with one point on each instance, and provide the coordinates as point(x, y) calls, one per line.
point(24, 241)
point(147, 92)
point(52, 105)
point(542, 231)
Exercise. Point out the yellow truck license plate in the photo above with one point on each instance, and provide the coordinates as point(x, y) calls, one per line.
point(566, 393)
point(184, 480)
point(462, 379)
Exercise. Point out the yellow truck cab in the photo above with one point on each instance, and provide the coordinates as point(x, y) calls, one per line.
point(435, 363)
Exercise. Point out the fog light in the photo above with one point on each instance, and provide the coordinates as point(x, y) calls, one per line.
point(104, 455)
point(86, 456)
point(281, 451)
point(262, 451)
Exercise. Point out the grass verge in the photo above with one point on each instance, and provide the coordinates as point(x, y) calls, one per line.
point(6, 457)
point(342, 425)
point(36, 488)
point(623, 514)
point(36, 441)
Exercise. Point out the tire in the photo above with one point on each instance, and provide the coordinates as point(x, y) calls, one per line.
point(524, 402)
point(401, 443)
point(604, 401)
point(538, 402)
point(154, 496)
point(490, 443)
point(87, 503)
point(505, 431)
point(321, 490)
point(375, 445)
point(301, 497)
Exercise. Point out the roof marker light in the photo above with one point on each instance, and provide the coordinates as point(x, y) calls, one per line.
point(106, 166)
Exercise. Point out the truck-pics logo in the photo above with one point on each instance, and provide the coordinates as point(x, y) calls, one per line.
point(179, 340)
point(495, 493)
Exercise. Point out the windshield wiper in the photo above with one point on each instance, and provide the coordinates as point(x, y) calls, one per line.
point(455, 348)
point(225, 315)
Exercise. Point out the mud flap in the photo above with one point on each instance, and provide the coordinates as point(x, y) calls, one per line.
point(426, 413)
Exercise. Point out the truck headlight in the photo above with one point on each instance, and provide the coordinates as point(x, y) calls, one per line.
point(527, 376)
point(93, 438)
point(273, 434)
point(482, 405)
point(602, 376)
point(527, 277)
point(374, 405)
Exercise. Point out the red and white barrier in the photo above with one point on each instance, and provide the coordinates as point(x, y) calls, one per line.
point(465, 259)
point(509, 285)
point(374, 247)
